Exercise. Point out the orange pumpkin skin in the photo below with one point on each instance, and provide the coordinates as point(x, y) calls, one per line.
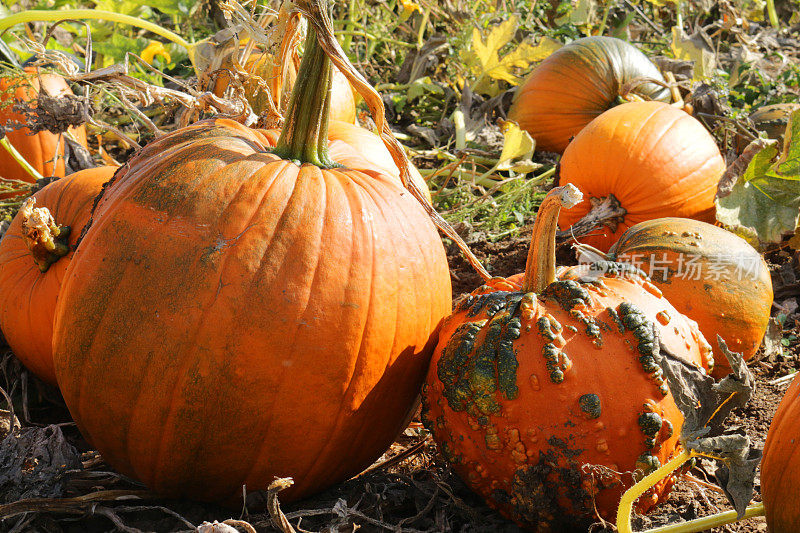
point(39, 150)
point(655, 159)
point(577, 83)
point(28, 295)
point(367, 142)
point(708, 274)
point(780, 466)
point(263, 318)
point(526, 393)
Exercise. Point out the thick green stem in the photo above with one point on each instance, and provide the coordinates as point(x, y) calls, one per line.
point(540, 268)
point(91, 14)
point(14, 153)
point(304, 137)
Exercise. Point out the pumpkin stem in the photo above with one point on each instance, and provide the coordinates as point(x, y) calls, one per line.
point(691, 526)
point(46, 240)
point(606, 211)
point(540, 268)
point(304, 136)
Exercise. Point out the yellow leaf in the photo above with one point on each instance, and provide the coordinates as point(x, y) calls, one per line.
point(501, 35)
point(409, 7)
point(484, 60)
point(693, 48)
point(517, 144)
point(155, 48)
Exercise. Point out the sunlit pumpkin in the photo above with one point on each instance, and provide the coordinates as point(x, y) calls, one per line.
point(44, 150)
point(545, 396)
point(780, 466)
point(237, 312)
point(33, 260)
point(577, 83)
point(652, 159)
point(709, 274)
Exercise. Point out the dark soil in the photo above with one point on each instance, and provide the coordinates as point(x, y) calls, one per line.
point(417, 493)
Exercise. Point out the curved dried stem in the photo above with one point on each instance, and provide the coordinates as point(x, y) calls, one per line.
point(279, 519)
point(540, 267)
point(321, 22)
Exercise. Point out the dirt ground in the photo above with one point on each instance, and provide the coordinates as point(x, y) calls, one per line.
point(409, 489)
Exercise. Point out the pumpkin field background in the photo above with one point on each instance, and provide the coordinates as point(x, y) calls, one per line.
point(446, 72)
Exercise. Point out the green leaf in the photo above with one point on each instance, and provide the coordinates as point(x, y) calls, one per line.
point(763, 202)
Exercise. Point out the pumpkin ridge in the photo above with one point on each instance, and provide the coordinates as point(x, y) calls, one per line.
point(301, 314)
point(201, 322)
point(359, 362)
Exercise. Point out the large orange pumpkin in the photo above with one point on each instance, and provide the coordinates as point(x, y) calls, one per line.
point(31, 274)
point(652, 159)
point(708, 274)
point(44, 150)
point(545, 397)
point(780, 466)
point(233, 314)
point(579, 82)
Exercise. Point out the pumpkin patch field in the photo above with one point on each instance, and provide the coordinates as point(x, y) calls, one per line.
point(399, 265)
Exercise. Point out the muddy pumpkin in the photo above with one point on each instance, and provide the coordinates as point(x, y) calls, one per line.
point(44, 150)
point(238, 310)
point(709, 274)
point(34, 254)
point(545, 396)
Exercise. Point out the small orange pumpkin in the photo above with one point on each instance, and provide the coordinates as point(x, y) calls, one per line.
point(33, 262)
point(708, 274)
point(545, 397)
point(577, 83)
point(780, 466)
point(44, 150)
point(652, 159)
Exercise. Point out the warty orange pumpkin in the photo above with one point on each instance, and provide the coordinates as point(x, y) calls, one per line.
point(236, 312)
point(709, 274)
point(44, 150)
point(34, 254)
point(545, 397)
point(636, 162)
point(577, 83)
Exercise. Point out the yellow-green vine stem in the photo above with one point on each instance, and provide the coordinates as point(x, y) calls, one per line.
point(91, 14)
point(19, 159)
point(773, 14)
point(692, 526)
